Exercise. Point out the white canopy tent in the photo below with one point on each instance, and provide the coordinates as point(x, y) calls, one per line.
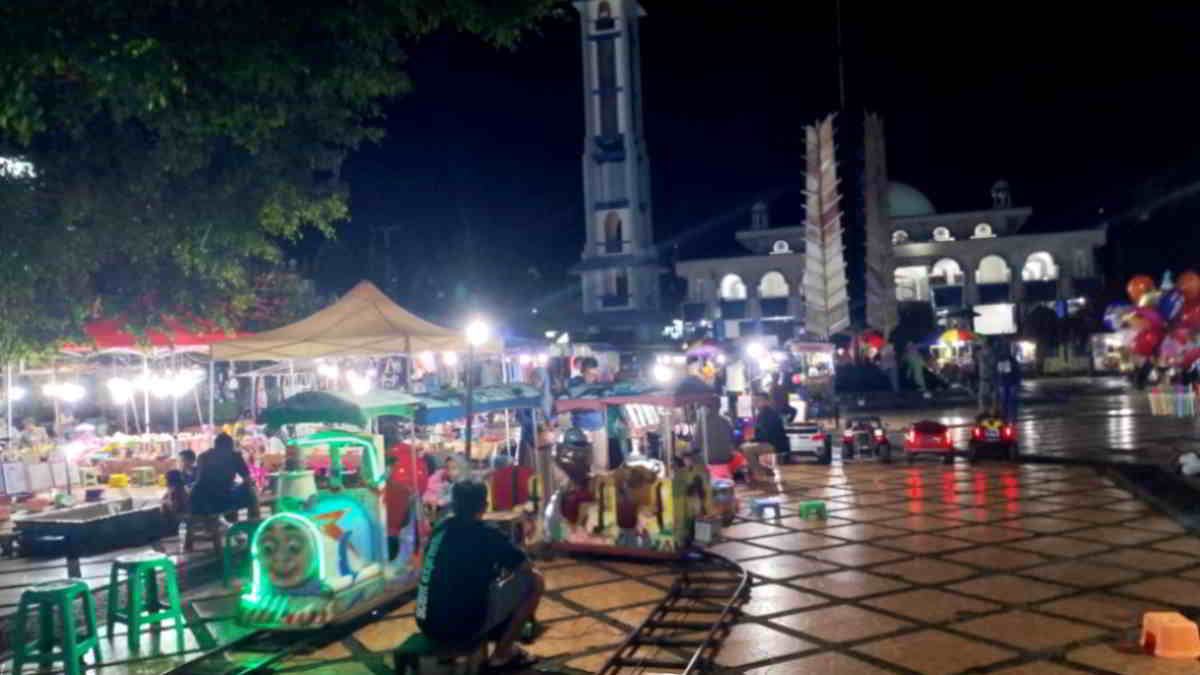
point(363, 322)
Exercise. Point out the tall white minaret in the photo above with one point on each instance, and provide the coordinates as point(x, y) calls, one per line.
point(620, 268)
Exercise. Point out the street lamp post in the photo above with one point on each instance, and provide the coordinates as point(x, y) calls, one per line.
point(478, 332)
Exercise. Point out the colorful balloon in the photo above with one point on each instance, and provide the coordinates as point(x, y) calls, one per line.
point(1147, 341)
point(1139, 286)
point(1189, 316)
point(1189, 284)
point(1115, 315)
point(1170, 304)
point(1150, 299)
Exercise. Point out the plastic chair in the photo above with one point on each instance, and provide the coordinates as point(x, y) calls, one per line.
point(46, 598)
point(143, 604)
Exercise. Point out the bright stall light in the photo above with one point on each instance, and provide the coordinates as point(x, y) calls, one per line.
point(721, 359)
point(329, 370)
point(478, 332)
point(662, 373)
point(756, 351)
point(17, 393)
point(543, 359)
point(68, 392)
point(359, 384)
point(525, 359)
point(450, 359)
point(120, 389)
point(428, 360)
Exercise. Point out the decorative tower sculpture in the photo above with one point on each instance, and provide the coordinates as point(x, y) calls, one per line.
point(880, 280)
point(827, 303)
point(620, 269)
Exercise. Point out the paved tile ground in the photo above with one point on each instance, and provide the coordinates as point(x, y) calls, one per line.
point(924, 569)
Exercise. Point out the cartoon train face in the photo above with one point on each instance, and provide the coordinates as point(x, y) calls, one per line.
point(287, 552)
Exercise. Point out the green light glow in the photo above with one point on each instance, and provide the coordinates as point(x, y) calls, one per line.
point(371, 452)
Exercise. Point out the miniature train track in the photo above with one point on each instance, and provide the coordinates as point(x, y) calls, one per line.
point(682, 633)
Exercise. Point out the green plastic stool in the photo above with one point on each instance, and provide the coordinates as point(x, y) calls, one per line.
point(143, 604)
point(48, 597)
point(408, 655)
point(811, 509)
point(233, 548)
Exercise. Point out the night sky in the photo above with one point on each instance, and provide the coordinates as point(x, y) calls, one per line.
point(1077, 109)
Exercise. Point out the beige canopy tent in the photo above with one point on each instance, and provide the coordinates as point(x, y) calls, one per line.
point(363, 322)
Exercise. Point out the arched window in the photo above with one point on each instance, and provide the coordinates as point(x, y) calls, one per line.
point(948, 271)
point(613, 233)
point(773, 285)
point(899, 237)
point(733, 288)
point(942, 234)
point(912, 283)
point(983, 231)
point(993, 270)
point(1039, 266)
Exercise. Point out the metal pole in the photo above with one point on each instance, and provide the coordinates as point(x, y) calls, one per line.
point(470, 395)
point(146, 391)
point(174, 401)
point(212, 391)
point(8, 399)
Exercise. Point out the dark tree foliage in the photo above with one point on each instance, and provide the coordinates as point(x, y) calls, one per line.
point(175, 143)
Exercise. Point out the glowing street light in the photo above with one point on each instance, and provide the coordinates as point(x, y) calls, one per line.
point(756, 351)
point(478, 332)
point(662, 374)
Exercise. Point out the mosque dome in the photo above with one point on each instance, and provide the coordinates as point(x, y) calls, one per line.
point(905, 201)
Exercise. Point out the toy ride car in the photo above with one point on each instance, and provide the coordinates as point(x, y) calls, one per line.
point(928, 438)
point(992, 436)
point(809, 438)
point(866, 436)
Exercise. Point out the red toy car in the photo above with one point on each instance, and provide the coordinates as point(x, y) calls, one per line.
point(992, 436)
point(928, 438)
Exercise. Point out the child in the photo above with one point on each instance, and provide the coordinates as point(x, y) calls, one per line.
point(437, 493)
point(187, 467)
point(176, 503)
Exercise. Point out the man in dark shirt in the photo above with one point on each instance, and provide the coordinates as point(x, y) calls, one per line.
point(214, 491)
point(769, 438)
point(462, 596)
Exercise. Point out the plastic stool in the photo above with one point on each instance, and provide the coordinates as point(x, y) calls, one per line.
point(813, 508)
point(1170, 635)
point(232, 547)
point(408, 655)
point(118, 480)
point(144, 606)
point(202, 527)
point(760, 506)
point(47, 597)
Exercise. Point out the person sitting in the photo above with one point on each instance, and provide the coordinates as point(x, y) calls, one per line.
point(215, 491)
point(475, 585)
point(176, 503)
point(187, 467)
point(438, 492)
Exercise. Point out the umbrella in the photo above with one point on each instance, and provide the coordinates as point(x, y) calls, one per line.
point(958, 335)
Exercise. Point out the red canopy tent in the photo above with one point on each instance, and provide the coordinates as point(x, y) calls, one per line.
point(111, 334)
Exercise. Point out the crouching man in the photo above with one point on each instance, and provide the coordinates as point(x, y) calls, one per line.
point(475, 584)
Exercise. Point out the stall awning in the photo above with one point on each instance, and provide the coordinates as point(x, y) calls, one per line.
point(111, 335)
point(690, 392)
point(328, 407)
point(363, 322)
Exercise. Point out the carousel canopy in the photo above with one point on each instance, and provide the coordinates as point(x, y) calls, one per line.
point(363, 322)
point(339, 407)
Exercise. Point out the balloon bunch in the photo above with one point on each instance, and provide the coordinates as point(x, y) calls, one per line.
point(1163, 324)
